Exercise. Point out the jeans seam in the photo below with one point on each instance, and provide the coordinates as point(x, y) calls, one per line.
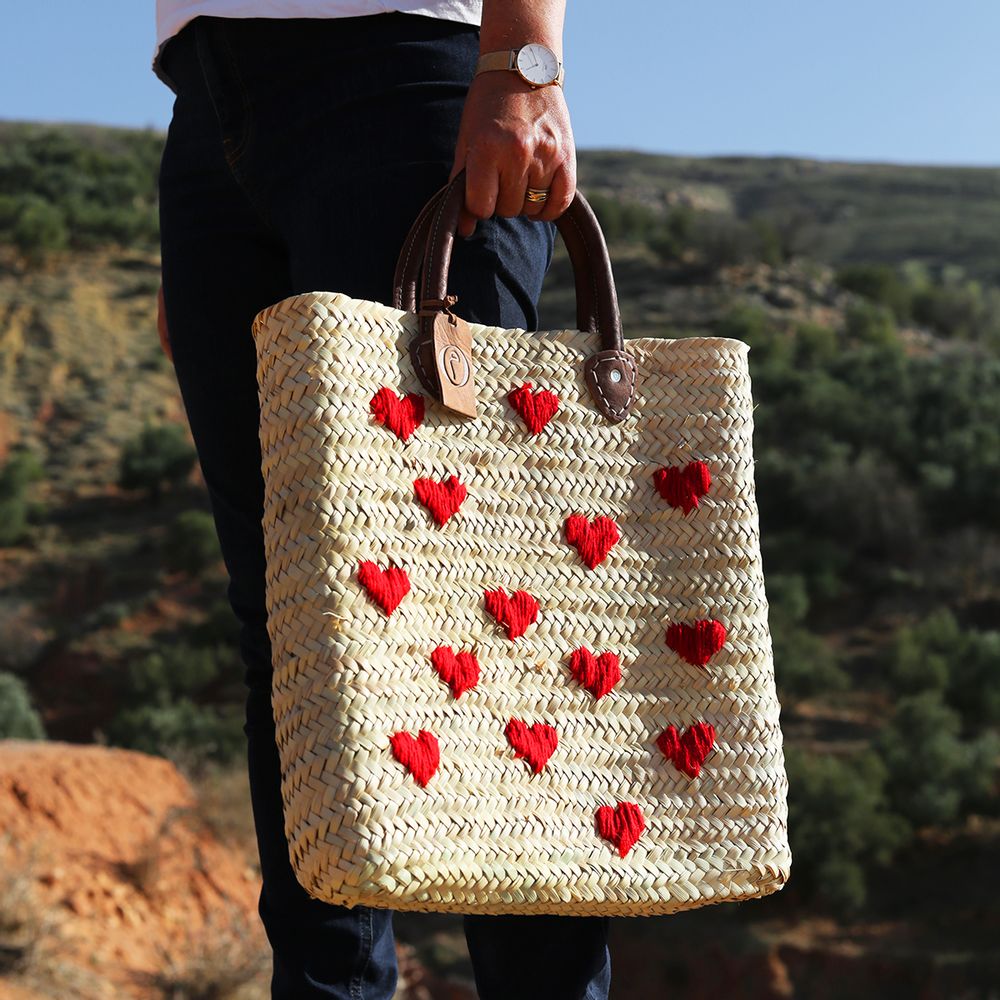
point(367, 936)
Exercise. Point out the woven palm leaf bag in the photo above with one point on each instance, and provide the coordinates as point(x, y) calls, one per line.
point(521, 659)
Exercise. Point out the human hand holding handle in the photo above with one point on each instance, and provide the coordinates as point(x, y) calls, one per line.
point(513, 136)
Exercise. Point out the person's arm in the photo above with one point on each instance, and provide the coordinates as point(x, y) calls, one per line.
point(512, 136)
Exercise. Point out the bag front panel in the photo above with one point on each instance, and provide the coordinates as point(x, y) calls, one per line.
point(487, 832)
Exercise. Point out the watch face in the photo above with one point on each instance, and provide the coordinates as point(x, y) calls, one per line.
point(537, 63)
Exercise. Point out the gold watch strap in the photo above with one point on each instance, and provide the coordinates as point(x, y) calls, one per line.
point(506, 59)
point(503, 59)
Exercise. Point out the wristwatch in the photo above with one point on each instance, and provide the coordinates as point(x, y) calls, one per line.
point(534, 62)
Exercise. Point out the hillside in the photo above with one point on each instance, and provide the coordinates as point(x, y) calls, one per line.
point(870, 297)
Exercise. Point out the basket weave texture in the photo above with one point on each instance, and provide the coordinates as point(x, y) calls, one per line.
point(616, 751)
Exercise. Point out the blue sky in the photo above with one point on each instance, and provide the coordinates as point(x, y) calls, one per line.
point(902, 81)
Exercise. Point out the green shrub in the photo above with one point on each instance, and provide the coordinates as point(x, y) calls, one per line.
point(961, 663)
point(920, 656)
point(869, 323)
point(722, 240)
point(18, 718)
point(805, 665)
point(815, 345)
point(159, 455)
point(768, 241)
point(974, 682)
point(879, 283)
point(209, 732)
point(174, 670)
point(40, 227)
point(623, 220)
point(192, 543)
point(933, 773)
point(18, 473)
point(840, 825)
point(77, 187)
point(673, 234)
point(960, 309)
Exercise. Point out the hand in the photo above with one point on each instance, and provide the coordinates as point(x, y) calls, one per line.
point(513, 137)
point(161, 325)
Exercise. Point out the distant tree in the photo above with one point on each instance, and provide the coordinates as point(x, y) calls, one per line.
point(840, 825)
point(208, 732)
point(20, 470)
point(815, 345)
point(879, 283)
point(672, 235)
point(40, 228)
point(622, 219)
point(961, 663)
point(869, 323)
point(804, 664)
point(173, 670)
point(970, 311)
point(933, 773)
point(920, 656)
point(609, 214)
point(769, 244)
point(722, 240)
point(18, 718)
point(192, 543)
point(159, 455)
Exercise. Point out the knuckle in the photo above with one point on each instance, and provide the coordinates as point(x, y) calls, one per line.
point(548, 147)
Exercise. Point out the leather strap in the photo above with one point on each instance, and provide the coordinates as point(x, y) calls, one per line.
point(609, 373)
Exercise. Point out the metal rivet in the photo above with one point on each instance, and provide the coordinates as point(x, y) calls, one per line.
point(616, 375)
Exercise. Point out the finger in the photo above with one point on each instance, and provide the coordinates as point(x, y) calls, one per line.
point(513, 181)
point(481, 191)
point(539, 183)
point(562, 191)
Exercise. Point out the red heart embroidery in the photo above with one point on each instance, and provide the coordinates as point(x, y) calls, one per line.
point(419, 756)
point(387, 587)
point(598, 674)
point(459, 670)
point(621, 825)
point(441, 499)
point(516, 612)
point(536, 409)
point(593, 540)
point(681, 487)
point(534, 744)
point(401, 416)
point(697, 643)
point(688, 752)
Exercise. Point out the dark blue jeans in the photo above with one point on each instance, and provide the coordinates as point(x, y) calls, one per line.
point(298, 155)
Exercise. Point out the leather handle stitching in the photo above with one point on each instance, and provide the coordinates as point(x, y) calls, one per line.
point(630, 367)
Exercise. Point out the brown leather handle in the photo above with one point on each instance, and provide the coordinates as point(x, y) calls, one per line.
point(610, 372)
point(596, 297)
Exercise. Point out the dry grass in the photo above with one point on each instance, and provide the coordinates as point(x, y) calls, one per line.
point(223, 803)
point(32, 936)
point(224, 959)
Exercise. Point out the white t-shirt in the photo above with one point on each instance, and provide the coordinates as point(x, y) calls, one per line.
point(172, 15)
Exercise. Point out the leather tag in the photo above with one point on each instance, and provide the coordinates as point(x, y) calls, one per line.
point(453, 363)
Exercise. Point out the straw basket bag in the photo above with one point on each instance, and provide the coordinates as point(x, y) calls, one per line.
point(521, 659)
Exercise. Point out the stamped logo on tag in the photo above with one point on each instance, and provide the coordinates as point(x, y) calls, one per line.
point(453, 363)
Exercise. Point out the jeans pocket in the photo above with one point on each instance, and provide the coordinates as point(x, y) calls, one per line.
point(225, 85)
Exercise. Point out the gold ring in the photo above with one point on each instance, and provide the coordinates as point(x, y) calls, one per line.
point(536, 194)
